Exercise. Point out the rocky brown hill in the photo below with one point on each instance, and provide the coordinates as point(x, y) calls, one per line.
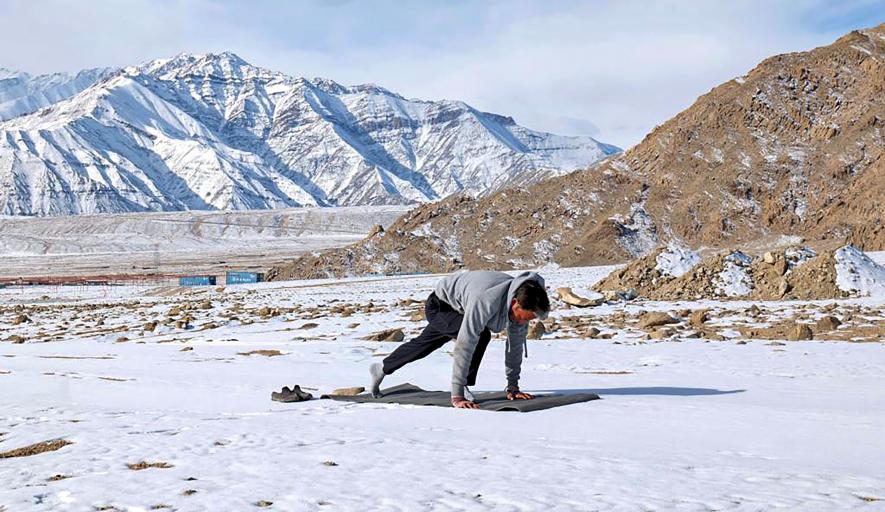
point(794, 147)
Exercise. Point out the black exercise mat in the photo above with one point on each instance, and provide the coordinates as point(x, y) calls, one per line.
point(494, 401)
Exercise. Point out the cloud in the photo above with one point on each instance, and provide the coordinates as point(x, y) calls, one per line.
point(609, 69)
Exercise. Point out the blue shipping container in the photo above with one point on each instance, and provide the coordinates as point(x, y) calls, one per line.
point(196, 281)
point(243, 277)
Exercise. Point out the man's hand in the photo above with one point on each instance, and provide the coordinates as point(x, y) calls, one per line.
point(459, 402)
point(519, 395)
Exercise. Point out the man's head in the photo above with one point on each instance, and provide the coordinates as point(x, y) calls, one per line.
point(529, 302)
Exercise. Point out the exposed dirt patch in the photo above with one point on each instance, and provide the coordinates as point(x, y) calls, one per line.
point(36, 448)
point(856, 333)
point(138, 466)
point(395, 335)
point(76, 357)
point(262, 352)
point(56, 478)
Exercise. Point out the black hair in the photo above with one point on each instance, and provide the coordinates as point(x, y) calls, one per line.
point(533, 297)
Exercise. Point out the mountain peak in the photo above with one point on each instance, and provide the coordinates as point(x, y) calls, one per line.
point(6, 74)
point(211, 131)
point(227, 64)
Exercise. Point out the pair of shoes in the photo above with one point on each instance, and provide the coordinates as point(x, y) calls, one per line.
point(290, 395)
point(376, 370)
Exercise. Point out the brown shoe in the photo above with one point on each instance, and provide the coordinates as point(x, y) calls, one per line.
point(290, 395)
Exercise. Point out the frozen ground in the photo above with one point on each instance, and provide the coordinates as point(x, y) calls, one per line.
point(178, 242)
point(684, 424)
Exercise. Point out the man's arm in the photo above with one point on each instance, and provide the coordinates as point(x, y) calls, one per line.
point(465, 344)
point(516, 335)
point(513, 356)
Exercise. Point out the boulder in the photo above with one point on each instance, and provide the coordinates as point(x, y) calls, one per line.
point(801, 332)
point(571, 298)
point(616, 296)
point(655, 318)
point(536, 330)
point(20, 319)
point(699, 317)
point(781, 265)
point(827, 323)
point(784, 288)
point(661, 333)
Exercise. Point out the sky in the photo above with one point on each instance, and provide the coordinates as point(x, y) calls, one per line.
point(609, 69)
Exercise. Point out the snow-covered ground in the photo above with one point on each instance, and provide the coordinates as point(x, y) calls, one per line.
point(176, 242)
point(683, 424)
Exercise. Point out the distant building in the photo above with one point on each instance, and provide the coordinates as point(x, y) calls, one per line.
point(243, 277)
point(196, 281)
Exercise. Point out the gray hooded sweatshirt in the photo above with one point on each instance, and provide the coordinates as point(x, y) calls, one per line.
point(484, 297)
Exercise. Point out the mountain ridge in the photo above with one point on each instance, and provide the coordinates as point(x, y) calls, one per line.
point(792, 150)
point(212, 131)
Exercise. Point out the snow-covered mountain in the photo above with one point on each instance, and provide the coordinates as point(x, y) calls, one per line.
point(21, 93)
point(214, 132)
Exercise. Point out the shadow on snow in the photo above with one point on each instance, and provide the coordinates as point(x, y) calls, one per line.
point(658, 390)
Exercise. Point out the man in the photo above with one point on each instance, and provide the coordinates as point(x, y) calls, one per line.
point(468, 307)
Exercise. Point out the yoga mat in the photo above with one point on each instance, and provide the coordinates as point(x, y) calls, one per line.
point(488, 401)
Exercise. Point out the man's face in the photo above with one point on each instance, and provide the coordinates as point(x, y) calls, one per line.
point(519, 315)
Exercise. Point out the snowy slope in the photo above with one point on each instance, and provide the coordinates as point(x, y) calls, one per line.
point(179, 242)
point(21, 93)
point(186, 231)
point(213, 132)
